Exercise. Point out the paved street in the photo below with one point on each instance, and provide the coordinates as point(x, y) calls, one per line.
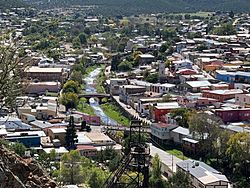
point(166, 158)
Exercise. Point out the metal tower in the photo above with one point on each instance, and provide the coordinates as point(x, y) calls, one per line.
point(137, 160)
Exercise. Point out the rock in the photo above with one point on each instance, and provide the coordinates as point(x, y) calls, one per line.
point(16, 172)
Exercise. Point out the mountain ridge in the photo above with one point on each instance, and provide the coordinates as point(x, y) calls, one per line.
point(128, 7)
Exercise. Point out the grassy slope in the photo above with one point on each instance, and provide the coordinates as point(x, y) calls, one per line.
point(84, 107)
point(177, 153)
point(114, 113)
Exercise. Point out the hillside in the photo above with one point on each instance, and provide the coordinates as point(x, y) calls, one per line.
point(149, 6)
point(11, 4)
point(21, 173)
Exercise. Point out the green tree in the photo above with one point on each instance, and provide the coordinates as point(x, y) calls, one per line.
point(179, 180)
point(169, 34)
point(97, 178)
point(152, 78)
point(163, 48)
point(71, 168)
point(201, 47)
point(69, 99)
point(181, 116)
point(76, 43)
point(18, 148)
point(238, 152)
point(136, 57)
point(134, 139)
point(10, 84)
point(71, 137)
point(82, 38)
point(225, 29)
point(155, 179)
point(77, 76)
point(125, 66)
point(71, 86)
point(205, 128)
point(167, 97)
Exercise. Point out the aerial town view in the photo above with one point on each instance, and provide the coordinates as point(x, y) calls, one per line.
point(124, 94)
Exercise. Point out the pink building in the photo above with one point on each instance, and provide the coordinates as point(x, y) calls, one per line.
point(242, 100)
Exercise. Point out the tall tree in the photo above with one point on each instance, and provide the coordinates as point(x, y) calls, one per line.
point(181, 115)
point(205, 128)
point(71, 168)
point(97, 178)
point(10, 85)
point(69, 99)
point(82, 38)
point(71, 86)
point(71, 137)
point(239, 154)
point(156, 180)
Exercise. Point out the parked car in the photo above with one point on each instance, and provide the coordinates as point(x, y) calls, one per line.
point(128, 107)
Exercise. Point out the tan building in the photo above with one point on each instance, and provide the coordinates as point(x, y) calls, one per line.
point(45, 74)
point(57, 133)
point(43, 87)
point(100, 139)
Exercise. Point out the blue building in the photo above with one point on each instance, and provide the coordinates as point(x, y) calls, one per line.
point(233, 77)
point(29, 140)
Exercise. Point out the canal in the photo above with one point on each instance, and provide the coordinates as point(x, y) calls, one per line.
point(90, 87)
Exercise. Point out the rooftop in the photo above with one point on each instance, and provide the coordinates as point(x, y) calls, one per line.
point(98, 137)
point(167, 105)
point(35, 69)
point(199, 83)
point(226, 92)
point(58, 130)
point(181, 130)
point(202, 171)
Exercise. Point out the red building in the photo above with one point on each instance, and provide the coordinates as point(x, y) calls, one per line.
point(159, 110)
point(233, 115)
point(222, 95)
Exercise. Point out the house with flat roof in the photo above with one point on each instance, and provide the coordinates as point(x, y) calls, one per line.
point(100, 139)
point(161, 132)
point(222, 95)
point(195, 86)
point(45, 74)
point(243, 100)
point(115, 83)
point(146, 59)
point(27, 138)
point(15, 123)
point(203, 175)
point(159, 110)
point(57, 133)
point(127, 90)
point(233, 76)
point(233, 114)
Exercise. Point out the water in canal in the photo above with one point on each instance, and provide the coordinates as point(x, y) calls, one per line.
point(90, 88)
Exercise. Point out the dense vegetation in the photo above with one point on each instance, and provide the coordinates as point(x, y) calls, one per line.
point(147, 6)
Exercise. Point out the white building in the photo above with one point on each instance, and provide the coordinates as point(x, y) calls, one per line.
point(202, 175)
point(115, 83)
